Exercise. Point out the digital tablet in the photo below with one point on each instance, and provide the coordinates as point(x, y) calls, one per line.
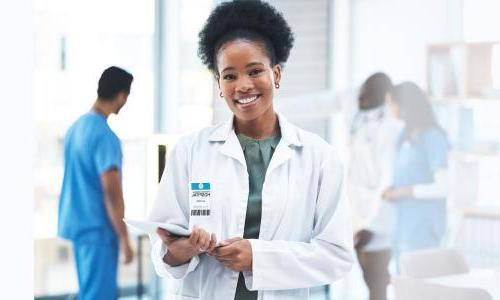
point(150, 227)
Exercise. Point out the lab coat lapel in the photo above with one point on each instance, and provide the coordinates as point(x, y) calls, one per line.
point(288, 139)
point(281, 155)
point(231, 146)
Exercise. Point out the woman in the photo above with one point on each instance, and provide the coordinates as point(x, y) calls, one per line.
point(419, 184)
point(262, 197)
point(374, 133)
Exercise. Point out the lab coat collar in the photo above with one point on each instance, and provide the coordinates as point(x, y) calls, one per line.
point(225, 131)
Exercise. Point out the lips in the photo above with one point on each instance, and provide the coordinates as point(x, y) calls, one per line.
point(247, 100)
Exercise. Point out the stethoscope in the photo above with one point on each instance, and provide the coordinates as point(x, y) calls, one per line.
point(360, 115)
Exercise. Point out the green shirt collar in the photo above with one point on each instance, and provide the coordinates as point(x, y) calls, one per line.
point(271, 142)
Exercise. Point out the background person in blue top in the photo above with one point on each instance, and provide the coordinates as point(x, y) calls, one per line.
point(91, 206)
point(419, 185)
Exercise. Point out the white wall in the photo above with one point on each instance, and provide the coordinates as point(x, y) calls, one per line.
point(392, 35)
point(16, 150)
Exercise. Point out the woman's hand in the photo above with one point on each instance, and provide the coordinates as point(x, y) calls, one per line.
point(182, 249)
point(394, 194)
point(235, 254)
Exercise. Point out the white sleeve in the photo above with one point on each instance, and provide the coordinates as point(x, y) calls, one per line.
point(437, 189)
point(328, 256)
point(172, 206)
point(363, 206)
point(361, 182)
point(158, 251)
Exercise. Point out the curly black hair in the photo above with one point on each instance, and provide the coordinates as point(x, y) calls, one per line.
point(254, 20)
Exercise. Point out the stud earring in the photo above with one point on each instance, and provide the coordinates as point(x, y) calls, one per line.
point(277, 85)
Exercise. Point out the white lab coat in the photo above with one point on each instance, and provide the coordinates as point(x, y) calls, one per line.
point(305, 235)
point(373, 143)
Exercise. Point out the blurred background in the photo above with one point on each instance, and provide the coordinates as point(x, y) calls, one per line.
point(450, 48)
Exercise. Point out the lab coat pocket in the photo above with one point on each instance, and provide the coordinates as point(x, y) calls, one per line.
point(298, 212)
point(189, 288)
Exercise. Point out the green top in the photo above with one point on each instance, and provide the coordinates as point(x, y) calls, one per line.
point(258, 154)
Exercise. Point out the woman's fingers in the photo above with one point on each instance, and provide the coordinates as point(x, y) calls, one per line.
point(165, 236)
point(204, 240)
point(230, 241)
point(195, 236)
point(162, 233)
point(213, 243)
point(200, 239)
point(206, 244)
point(224, 259)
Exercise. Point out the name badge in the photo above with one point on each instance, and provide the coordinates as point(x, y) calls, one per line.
point(199, 199)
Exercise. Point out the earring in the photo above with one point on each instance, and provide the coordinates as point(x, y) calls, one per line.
point(220, 94)
point(277, 85)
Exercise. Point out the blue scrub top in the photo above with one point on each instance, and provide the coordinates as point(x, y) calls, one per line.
point(90, 149)
point(421, 223)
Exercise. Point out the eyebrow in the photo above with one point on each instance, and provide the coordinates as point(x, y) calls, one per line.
point(247, 66)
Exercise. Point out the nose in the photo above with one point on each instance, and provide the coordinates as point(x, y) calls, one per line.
point(244, 85)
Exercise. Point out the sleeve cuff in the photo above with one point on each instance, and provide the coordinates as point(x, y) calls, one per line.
point(248, 275)
point(428, 191)
point(251, 279)
point(162, 269)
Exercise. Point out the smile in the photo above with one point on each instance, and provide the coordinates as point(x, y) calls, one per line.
point(247, 100)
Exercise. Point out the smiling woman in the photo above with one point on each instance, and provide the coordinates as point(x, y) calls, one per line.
point(247, 83)
point(262, 234)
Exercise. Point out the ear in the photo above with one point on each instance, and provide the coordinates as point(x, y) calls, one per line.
point(122, 96)
point(276, 73)
point(217, 79)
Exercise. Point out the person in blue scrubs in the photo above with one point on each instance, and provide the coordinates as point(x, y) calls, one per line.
point(419, 184)
point(91, 206)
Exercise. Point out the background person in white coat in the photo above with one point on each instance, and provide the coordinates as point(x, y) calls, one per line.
point(265, 190)
point(374, 133)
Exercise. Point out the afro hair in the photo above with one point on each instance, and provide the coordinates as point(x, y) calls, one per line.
point(248, 19)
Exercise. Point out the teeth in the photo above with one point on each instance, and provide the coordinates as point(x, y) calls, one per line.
point(246, 100)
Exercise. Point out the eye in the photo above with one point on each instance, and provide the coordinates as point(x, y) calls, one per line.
point(229, 77)
point(255, 72)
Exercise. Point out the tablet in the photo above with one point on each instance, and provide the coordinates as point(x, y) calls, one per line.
point(150, 227)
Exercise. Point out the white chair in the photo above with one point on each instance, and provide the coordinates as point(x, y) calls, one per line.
point(417, 289)
point(478, 237)
point(432, 263)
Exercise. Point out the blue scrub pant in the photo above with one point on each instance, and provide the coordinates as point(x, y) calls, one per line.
point(421, 224)
point(96, 255)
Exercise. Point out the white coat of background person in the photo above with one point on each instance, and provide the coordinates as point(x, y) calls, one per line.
point(305, 235)
point(373, 138)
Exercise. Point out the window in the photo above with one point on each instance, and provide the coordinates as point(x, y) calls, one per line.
point(75, 42)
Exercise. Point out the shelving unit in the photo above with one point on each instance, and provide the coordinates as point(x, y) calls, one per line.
point(463, 82)
point(462, 71)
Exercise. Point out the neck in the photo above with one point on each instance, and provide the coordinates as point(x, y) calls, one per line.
point(102, 108)
point(261, 128)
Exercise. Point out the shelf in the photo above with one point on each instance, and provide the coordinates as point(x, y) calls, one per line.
point(463, 70)
point(462, 101)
